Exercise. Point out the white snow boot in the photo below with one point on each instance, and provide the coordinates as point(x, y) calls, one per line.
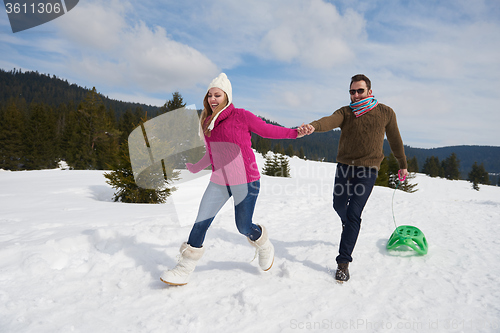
point(179, 275)
point(264, 249)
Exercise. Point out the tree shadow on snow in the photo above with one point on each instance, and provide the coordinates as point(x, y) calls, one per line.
point(102, 193)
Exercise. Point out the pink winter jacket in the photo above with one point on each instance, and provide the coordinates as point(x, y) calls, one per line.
point(229, 148)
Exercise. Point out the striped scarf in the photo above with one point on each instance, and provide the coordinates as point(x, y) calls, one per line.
point(363, 106)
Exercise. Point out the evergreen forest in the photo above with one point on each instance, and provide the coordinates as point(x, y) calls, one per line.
point(45, 120)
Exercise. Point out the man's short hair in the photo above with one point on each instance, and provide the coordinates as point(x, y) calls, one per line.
point(361, 77)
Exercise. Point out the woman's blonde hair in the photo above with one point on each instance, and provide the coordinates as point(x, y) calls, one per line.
point(207, 115)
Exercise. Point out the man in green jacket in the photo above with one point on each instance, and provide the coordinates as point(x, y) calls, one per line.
point(363, 124)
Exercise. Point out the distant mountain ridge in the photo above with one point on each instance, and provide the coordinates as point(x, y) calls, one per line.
point(467, 155)
point(324, 146)
point(51, 90)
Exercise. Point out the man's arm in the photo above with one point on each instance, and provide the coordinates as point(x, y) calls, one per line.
point(396, 143)
point(328, 123)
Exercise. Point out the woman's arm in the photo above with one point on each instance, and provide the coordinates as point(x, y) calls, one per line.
point(265, 130)
point(200, 165)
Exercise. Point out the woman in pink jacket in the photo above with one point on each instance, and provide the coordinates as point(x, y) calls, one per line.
point(227, 131)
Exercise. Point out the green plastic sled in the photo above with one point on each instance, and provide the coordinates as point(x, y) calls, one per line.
point(409, 236)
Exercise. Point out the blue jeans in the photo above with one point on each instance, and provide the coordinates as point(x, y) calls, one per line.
point(353, 186)
point(245, 197)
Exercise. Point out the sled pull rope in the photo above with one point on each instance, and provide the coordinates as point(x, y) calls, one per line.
point(401, 179)
point(406, 235)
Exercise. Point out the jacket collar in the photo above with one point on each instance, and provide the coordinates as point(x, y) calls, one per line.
point(221, 116)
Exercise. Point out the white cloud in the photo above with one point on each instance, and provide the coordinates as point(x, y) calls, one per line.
point(107, 48)
point(95, 26)
point(312, 33)
point(137, 98)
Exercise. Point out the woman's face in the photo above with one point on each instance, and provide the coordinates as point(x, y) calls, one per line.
point(215, 96)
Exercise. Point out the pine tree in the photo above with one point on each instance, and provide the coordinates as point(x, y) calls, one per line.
point(276, 165)
point(62, 113)
point(383, 173)
point(91, 141)
point(451, 166)
point(432, 167)
point(173, 104)
point(40, 138)
point(12, 122)
point(413, 165)
point(392, 170)
point(261, 145)
point(72, 141)
point(301, 153)
point(121, 178)
point(289, 150)
point(478, 175)
point(388, 175)
point(278, 149)
point(284, 166)
point(127, 122)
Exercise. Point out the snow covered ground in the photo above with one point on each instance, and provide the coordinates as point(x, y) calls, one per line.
point(71, 260)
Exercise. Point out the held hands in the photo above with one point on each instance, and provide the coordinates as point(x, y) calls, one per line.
point(304, 129)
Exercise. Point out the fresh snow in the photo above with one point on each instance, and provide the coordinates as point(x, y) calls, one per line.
point(72, 260)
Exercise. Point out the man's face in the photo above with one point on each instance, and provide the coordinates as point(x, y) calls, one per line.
point(356, 93)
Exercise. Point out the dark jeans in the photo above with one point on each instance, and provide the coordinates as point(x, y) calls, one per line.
point(353, 186)
point(215, 196)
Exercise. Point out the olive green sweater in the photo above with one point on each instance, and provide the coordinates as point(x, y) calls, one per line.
point(362, 139)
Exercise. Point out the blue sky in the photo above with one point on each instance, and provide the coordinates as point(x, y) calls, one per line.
point(436, 63)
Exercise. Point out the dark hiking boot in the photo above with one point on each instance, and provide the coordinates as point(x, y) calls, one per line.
point(342, 274)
